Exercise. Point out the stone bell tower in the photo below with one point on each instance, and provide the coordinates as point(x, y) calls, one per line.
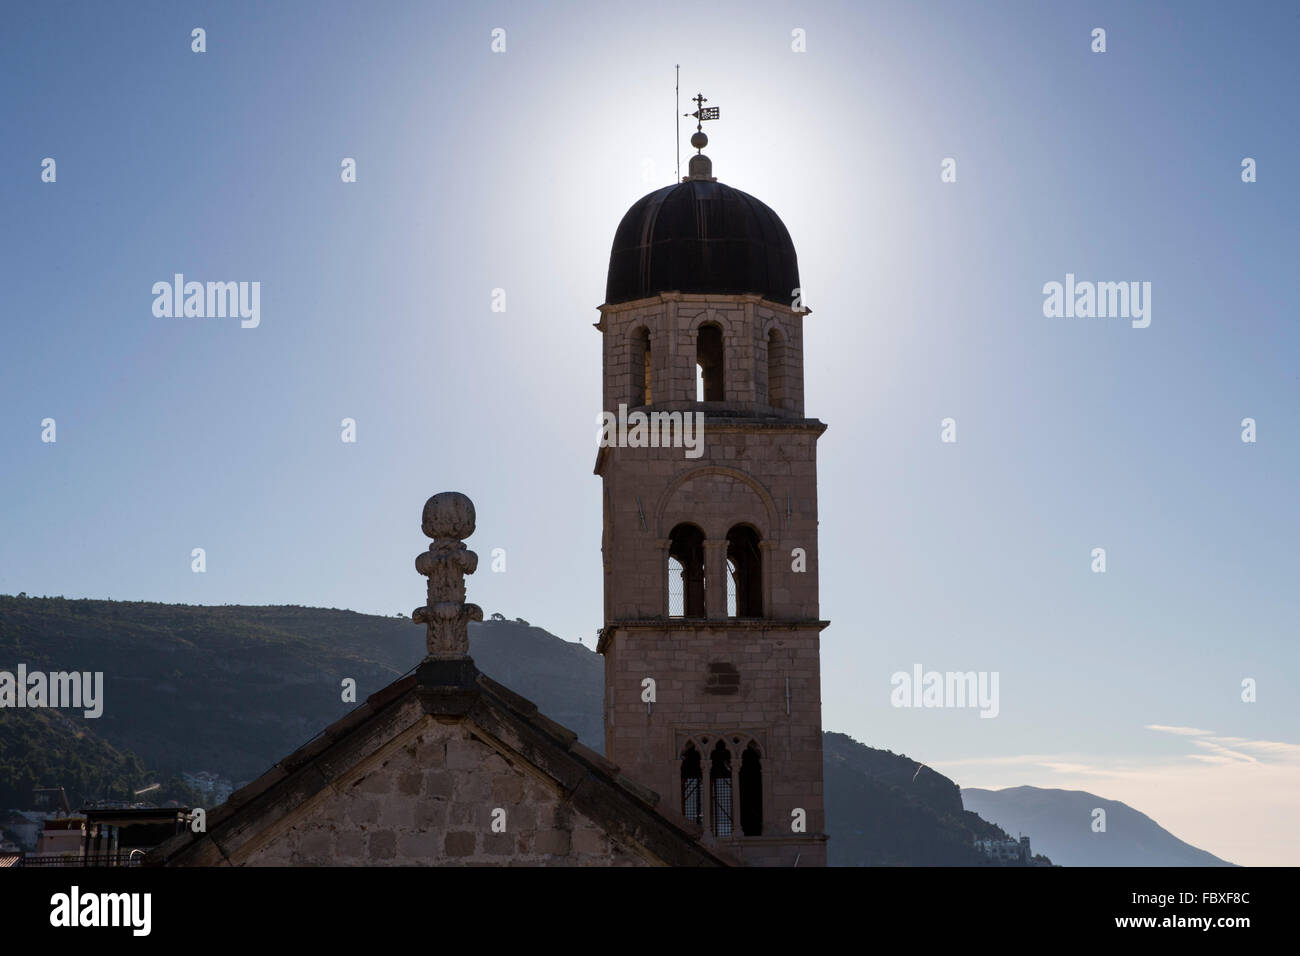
point(711, 636)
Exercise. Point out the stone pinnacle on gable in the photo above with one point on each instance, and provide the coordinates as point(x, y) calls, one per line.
point(448, 518)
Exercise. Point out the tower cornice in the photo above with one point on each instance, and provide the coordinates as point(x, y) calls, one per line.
point(699, 298)
point(727, 425)
point(747, 625)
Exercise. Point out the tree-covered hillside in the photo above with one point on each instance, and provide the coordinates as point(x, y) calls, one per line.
point(230, 690)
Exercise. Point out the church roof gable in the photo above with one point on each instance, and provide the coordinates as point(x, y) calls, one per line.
point(503, 721)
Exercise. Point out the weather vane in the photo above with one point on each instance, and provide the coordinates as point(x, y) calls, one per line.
point(701, 114)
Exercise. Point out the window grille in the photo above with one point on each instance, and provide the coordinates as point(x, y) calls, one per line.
point(692, 786)
point(720, 784)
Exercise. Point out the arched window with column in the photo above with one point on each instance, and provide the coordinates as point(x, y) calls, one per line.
point(744, 573)
point(709, 365)
point(751, 791)
point(686, 579)
point(641, 365)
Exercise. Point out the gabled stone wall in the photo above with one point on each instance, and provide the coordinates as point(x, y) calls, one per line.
point(427, 799)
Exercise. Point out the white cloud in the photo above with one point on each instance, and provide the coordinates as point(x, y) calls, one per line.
point(1182, 731)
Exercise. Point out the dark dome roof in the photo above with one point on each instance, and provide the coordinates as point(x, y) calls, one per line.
point(701, 236)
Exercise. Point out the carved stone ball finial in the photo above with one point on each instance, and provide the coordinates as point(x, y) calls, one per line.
point(448, 517)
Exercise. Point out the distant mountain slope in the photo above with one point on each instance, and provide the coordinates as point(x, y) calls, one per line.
point(885, 809)
point(1059, 823)
point(564, 679)
point(188, 688)
point(48, 748)
point(231, 690)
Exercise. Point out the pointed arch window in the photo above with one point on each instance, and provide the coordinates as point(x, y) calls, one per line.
point(720, 790)
point(692, 786)
point(751, 791)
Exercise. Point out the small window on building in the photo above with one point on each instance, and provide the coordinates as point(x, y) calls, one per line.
point(686, 571)
point(744, 573)
point(720, 787)
point(692, 786)
point(751, 792)
point(641, 365)
point(709, 385)
point(775, 369)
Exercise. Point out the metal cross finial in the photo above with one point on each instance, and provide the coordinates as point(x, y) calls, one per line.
point(701, 112)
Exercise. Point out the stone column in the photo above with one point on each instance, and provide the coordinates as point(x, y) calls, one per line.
point(715, 583)
point(735, 788)
point(770, 553)
point(663, 603)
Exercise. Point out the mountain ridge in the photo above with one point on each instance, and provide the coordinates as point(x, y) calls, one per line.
point(1061, 823)
point(230, 689)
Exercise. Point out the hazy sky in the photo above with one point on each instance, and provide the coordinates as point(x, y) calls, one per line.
point(479, 171)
